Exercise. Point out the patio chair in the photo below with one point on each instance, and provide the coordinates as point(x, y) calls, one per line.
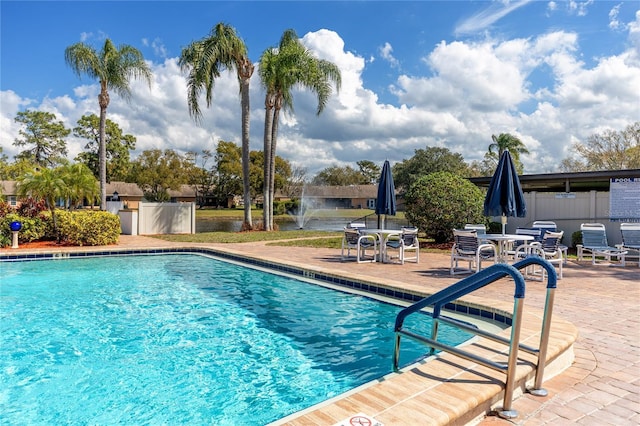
point(594, 240)
point(405, 242)
point(549, 225)
point(354, 240)
point(630, 239)
point(467, 246)
point(479, 227)
point(521, 244)
point(548, 249)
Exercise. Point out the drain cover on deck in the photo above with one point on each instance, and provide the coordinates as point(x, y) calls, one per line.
point(359, 420)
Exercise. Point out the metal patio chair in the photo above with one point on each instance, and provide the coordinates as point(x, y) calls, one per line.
point(354, 240)
point(405, 242)
point(468, 247)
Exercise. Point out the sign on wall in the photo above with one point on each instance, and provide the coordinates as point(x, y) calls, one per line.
point(624, 199)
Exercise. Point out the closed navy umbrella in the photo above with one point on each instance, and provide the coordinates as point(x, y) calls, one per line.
point(505, 197)
point(386, 201)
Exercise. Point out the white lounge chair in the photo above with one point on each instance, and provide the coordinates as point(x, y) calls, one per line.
point(630, 239)
point(594, 240)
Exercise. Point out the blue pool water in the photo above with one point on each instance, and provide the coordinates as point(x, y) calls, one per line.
point(181, 339)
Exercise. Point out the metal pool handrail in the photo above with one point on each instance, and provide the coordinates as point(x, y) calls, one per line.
point(468, 285)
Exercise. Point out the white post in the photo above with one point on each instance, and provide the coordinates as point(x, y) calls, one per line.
point(14, 240)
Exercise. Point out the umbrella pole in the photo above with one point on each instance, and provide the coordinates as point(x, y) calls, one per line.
point(504, 223)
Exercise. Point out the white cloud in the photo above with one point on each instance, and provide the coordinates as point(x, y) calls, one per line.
point(467, 92)
point(386, 52)
point(614, 23)
point(580, 8)
point(488, 16)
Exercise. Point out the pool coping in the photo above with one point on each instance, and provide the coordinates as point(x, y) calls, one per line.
point(446, 390)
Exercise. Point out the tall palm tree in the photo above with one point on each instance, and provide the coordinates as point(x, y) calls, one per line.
point(205, 59)
point(282, 69)
point(507, 142)
point(44, 184)
point(113, 68)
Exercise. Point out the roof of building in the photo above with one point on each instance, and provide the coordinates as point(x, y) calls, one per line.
point(350, 191)
point(566, 182)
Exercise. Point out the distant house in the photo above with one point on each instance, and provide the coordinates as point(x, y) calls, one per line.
point(345, 197)
point(129, 193)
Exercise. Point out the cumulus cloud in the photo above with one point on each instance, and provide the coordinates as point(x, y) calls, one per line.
point(467, 91)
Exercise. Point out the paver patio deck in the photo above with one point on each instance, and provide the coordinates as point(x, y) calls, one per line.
point(602, 386)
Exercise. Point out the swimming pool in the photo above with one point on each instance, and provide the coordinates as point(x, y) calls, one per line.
point(181, 338)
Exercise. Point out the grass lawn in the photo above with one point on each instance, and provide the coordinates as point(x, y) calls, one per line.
point(297, 238)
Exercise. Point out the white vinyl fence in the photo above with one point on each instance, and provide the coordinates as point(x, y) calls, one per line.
point(166, 218)
point(568, 210)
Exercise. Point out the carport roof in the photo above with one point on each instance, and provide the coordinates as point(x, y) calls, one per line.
point(566, 182)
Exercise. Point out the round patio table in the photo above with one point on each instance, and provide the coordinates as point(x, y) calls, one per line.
point(503, 241)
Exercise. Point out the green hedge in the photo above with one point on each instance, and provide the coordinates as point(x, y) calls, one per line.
point(88, 228)
point(33, 228)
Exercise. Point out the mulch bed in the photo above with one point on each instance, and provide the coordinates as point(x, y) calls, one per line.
point(43, 245)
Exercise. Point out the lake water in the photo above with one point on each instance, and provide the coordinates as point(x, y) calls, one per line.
point(290, 224)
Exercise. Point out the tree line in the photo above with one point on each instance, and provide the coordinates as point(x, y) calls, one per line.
point(217, 175)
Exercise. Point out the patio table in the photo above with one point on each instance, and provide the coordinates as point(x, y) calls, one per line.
point(503, 240)
point(380, 234)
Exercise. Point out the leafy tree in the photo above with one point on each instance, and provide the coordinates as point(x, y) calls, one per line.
point(202, 177)
point(609, 150)
point(506, 142)
point(229, 168)
point(425, 161)
point(204, 59)
point(339, 176)
point(441, 201)
point(282, 69)
point(44, 136)
point(44, 184)
point(118, 147)
point(156, 172)
point(80, 184)
point(369, 170)
point(113, 68)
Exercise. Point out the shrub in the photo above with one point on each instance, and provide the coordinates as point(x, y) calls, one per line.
point(279, 208)
point(88, 228)
point(33, 228)
point(5, 208)
point(30, 207)
point(576, 238)
point(439, 202)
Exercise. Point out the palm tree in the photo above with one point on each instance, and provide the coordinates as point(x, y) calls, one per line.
point(112, 67)
point(205, 59)
point(282, 69)
point(507, 142)
point(44, 184)
point(80, 184)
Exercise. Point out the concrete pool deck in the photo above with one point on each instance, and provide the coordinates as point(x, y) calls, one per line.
point(598, 303)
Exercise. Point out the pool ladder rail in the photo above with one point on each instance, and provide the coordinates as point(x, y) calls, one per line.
point(468, 285)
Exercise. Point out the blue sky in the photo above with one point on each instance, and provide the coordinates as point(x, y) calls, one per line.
point(415, 74)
